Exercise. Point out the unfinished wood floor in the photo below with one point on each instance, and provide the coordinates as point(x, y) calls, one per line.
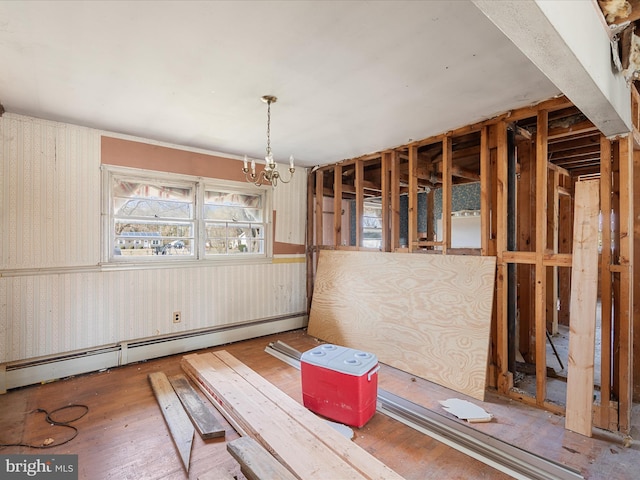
point(124, 435)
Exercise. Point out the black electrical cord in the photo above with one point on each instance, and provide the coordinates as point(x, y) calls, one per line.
point(49, 418)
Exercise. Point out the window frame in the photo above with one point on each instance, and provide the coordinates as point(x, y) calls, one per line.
point(199, 185)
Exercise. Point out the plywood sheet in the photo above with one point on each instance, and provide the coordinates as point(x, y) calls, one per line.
point(429, 315)
point(582, 316)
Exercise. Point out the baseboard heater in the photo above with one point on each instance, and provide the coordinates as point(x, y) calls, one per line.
point(54, 367)
point(491, 451)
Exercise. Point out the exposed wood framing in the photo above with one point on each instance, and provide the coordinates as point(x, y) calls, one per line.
point(485, 192)
point(337, 205)
point(505, 381)
point(395, 201)
point(553, 213)
point(555, 145)
point(602, 410)
point(625, 346)
point(541, 241)
point(412, 235)
point(359, 201)
point(447, 166)
point(385, 164)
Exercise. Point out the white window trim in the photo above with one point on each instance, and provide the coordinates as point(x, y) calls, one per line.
point(199, 258)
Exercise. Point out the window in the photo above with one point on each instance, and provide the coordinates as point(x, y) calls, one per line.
point(234, 222)
point(153, 218)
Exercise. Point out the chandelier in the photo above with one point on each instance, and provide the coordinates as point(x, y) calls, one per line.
point(270, 173)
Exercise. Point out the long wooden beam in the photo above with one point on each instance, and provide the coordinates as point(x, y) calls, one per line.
point(181, 428)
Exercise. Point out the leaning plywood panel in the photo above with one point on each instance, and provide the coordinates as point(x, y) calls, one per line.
point(582, 308)
point(429, 315)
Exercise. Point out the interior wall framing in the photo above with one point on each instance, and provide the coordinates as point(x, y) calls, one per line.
point(541, 258)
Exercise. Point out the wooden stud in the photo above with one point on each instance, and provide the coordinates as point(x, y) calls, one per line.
point(602, 411)
point(395, 200)
point(502, 348)
point(447, 146)
point(625, 352)
point(525, 244)
point(359, 202)
point(385, 175)
point(311, 244)
point(553, 204)
point(319, 207)
point(337, 205)
point(412, 213)
point(636, 266)
point(485, 192)
point(541, 240)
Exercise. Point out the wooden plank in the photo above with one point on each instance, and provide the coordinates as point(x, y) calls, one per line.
point(395, 200)
point(485, 192)
point(429, 315)
point(541, 242)
point(636, 280)
point(284, 437)
point(625, 218)
point(385, 176)
point(200, 413)
point(337, 205)
point(359, 184)
point(602, 419)
point(364, 462)
point(255, 462)
point(447, 165)
point(584, 294)
point(502, 338)
point(180, 426)
point(319, 207)
point(412, 213)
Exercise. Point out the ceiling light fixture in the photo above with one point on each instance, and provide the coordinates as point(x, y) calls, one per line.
point(269, 174)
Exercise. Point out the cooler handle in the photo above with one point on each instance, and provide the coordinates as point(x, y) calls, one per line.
point(373, 372)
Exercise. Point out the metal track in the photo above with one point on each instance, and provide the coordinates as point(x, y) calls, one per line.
point(500, 455)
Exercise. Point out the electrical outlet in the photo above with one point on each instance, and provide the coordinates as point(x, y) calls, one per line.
point(177, 317)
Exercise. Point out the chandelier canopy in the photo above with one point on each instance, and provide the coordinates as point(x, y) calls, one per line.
point(270, 173)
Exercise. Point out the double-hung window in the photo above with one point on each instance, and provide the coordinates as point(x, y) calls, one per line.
point(155, 217)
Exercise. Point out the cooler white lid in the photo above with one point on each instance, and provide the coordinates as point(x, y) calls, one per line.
point(340, 359)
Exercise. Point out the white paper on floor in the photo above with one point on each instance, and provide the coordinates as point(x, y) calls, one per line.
point(466, 410)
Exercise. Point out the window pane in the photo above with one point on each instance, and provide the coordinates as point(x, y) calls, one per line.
point(141, 239)
point(234, 238)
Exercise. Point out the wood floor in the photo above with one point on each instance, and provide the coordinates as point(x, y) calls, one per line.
point(124, 435)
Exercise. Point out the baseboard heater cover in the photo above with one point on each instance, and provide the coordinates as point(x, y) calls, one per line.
point(489, 450)
point(46, 369)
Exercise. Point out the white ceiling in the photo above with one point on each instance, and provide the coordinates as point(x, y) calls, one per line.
point(352, 77)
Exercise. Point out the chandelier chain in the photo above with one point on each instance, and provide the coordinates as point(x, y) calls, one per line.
point(268, 127)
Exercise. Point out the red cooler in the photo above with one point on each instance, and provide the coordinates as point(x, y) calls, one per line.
point(340, 383)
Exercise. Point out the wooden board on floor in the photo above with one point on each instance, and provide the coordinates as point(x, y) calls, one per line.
point(429, 315)
point(286, 439)
point(359, 458)
point(255, 462)
point(180, 426)
point(201, 414)
point(301, 441)
point(582, 320)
